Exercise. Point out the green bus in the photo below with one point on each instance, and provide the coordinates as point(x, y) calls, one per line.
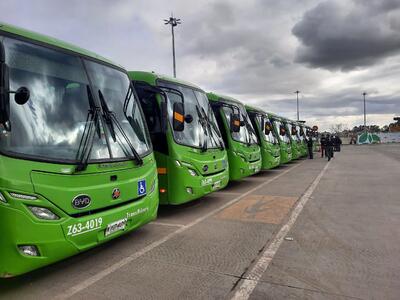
point(283, 138)
point(270, 149)
point(240, 138)
point(301, 129)
point(294, 138)
point(76, 163)
point(189, 150)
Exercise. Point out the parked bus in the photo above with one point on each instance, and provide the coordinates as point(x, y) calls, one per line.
point(301, 129)
point(189, 150)
point(239, 136)
point(270, 149)
point(77, 167)
point(294, 138)
point(283, 138)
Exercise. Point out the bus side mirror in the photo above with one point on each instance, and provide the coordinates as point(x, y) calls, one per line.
point(235, 123)
point(282, 130)
point(267, 129)
point(178, 122)
point(22, 95)
point(188, 119)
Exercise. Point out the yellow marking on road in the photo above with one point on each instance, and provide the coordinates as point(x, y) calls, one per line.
point(259, 208)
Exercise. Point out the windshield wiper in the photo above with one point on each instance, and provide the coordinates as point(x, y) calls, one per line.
point(203, 124)
point(110, 120)
point(249, 128)
point(86, 143)
point(127, 98)
point(211, 126)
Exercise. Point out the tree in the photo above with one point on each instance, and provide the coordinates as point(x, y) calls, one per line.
point(337, 128)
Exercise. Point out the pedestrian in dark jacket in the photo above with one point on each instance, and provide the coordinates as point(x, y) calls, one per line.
point(323, 145)
point(339, 143)
point(329, 147)
point(336, 143)
point(310, 147)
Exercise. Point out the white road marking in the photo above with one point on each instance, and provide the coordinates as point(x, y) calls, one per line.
point(226, 193)
point(245, 289)
point(104, 273)
point(167, 224)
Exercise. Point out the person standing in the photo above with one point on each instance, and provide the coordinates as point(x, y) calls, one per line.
point(310, 147)
point(339, 143)
point(329, 147)
point(323, 145)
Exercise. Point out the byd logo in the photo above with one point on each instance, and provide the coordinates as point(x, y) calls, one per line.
point(81, 201)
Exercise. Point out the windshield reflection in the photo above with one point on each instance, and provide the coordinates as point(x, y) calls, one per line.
point(263, 123)
point(246, 133)
point(283, 138)
point(51, 124)
point(197, 133)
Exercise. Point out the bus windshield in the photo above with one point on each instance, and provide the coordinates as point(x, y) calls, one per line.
point(264, 123)
point(51, 124)
point(293, 132)
point(203, 131)
point(301, 132)
point(246, 134)
point(283, 138)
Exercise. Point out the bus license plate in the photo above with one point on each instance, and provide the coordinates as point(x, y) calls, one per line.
point(115, 226)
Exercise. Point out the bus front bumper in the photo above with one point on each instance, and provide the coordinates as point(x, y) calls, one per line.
point(57, 240)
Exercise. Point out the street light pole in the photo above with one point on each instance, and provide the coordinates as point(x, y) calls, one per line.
point(365, 113)
point(297, 97)
point(173, 22)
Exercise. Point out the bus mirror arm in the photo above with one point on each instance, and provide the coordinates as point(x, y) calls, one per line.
point(4, 93)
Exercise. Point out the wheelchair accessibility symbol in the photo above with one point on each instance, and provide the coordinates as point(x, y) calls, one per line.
point(141, 187)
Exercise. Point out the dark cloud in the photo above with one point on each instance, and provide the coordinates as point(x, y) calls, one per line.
point(340, 104)
point(348, 35)
point(242, 48)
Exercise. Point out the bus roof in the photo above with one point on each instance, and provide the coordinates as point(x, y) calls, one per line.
point(256, 109)
point(33, 36)
point(152, 78)
point(222, 98)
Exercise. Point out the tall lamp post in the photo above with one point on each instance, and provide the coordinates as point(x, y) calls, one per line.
point(365, 113)
point(297, 97)
point(173, 22)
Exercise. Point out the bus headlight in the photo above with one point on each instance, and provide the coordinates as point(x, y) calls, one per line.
point(192, 172)
point(178, 163)
point(22, 196)
point(2, 198)
point(43, 213)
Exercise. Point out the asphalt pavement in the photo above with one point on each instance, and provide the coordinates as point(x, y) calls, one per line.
point(307, 230)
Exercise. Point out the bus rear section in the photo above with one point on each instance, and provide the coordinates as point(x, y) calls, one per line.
point(239, 136)
point(72, 177)
point(270, 149)
point(283, 138)
point(190, 153)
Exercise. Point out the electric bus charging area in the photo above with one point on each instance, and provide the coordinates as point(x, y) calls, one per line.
point(270, 149)
point(283, 138)
point(76, 163)
point(240, 138)
point(294, 138)
point(189, 150)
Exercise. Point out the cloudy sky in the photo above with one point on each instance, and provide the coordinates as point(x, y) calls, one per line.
point(259, 51)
